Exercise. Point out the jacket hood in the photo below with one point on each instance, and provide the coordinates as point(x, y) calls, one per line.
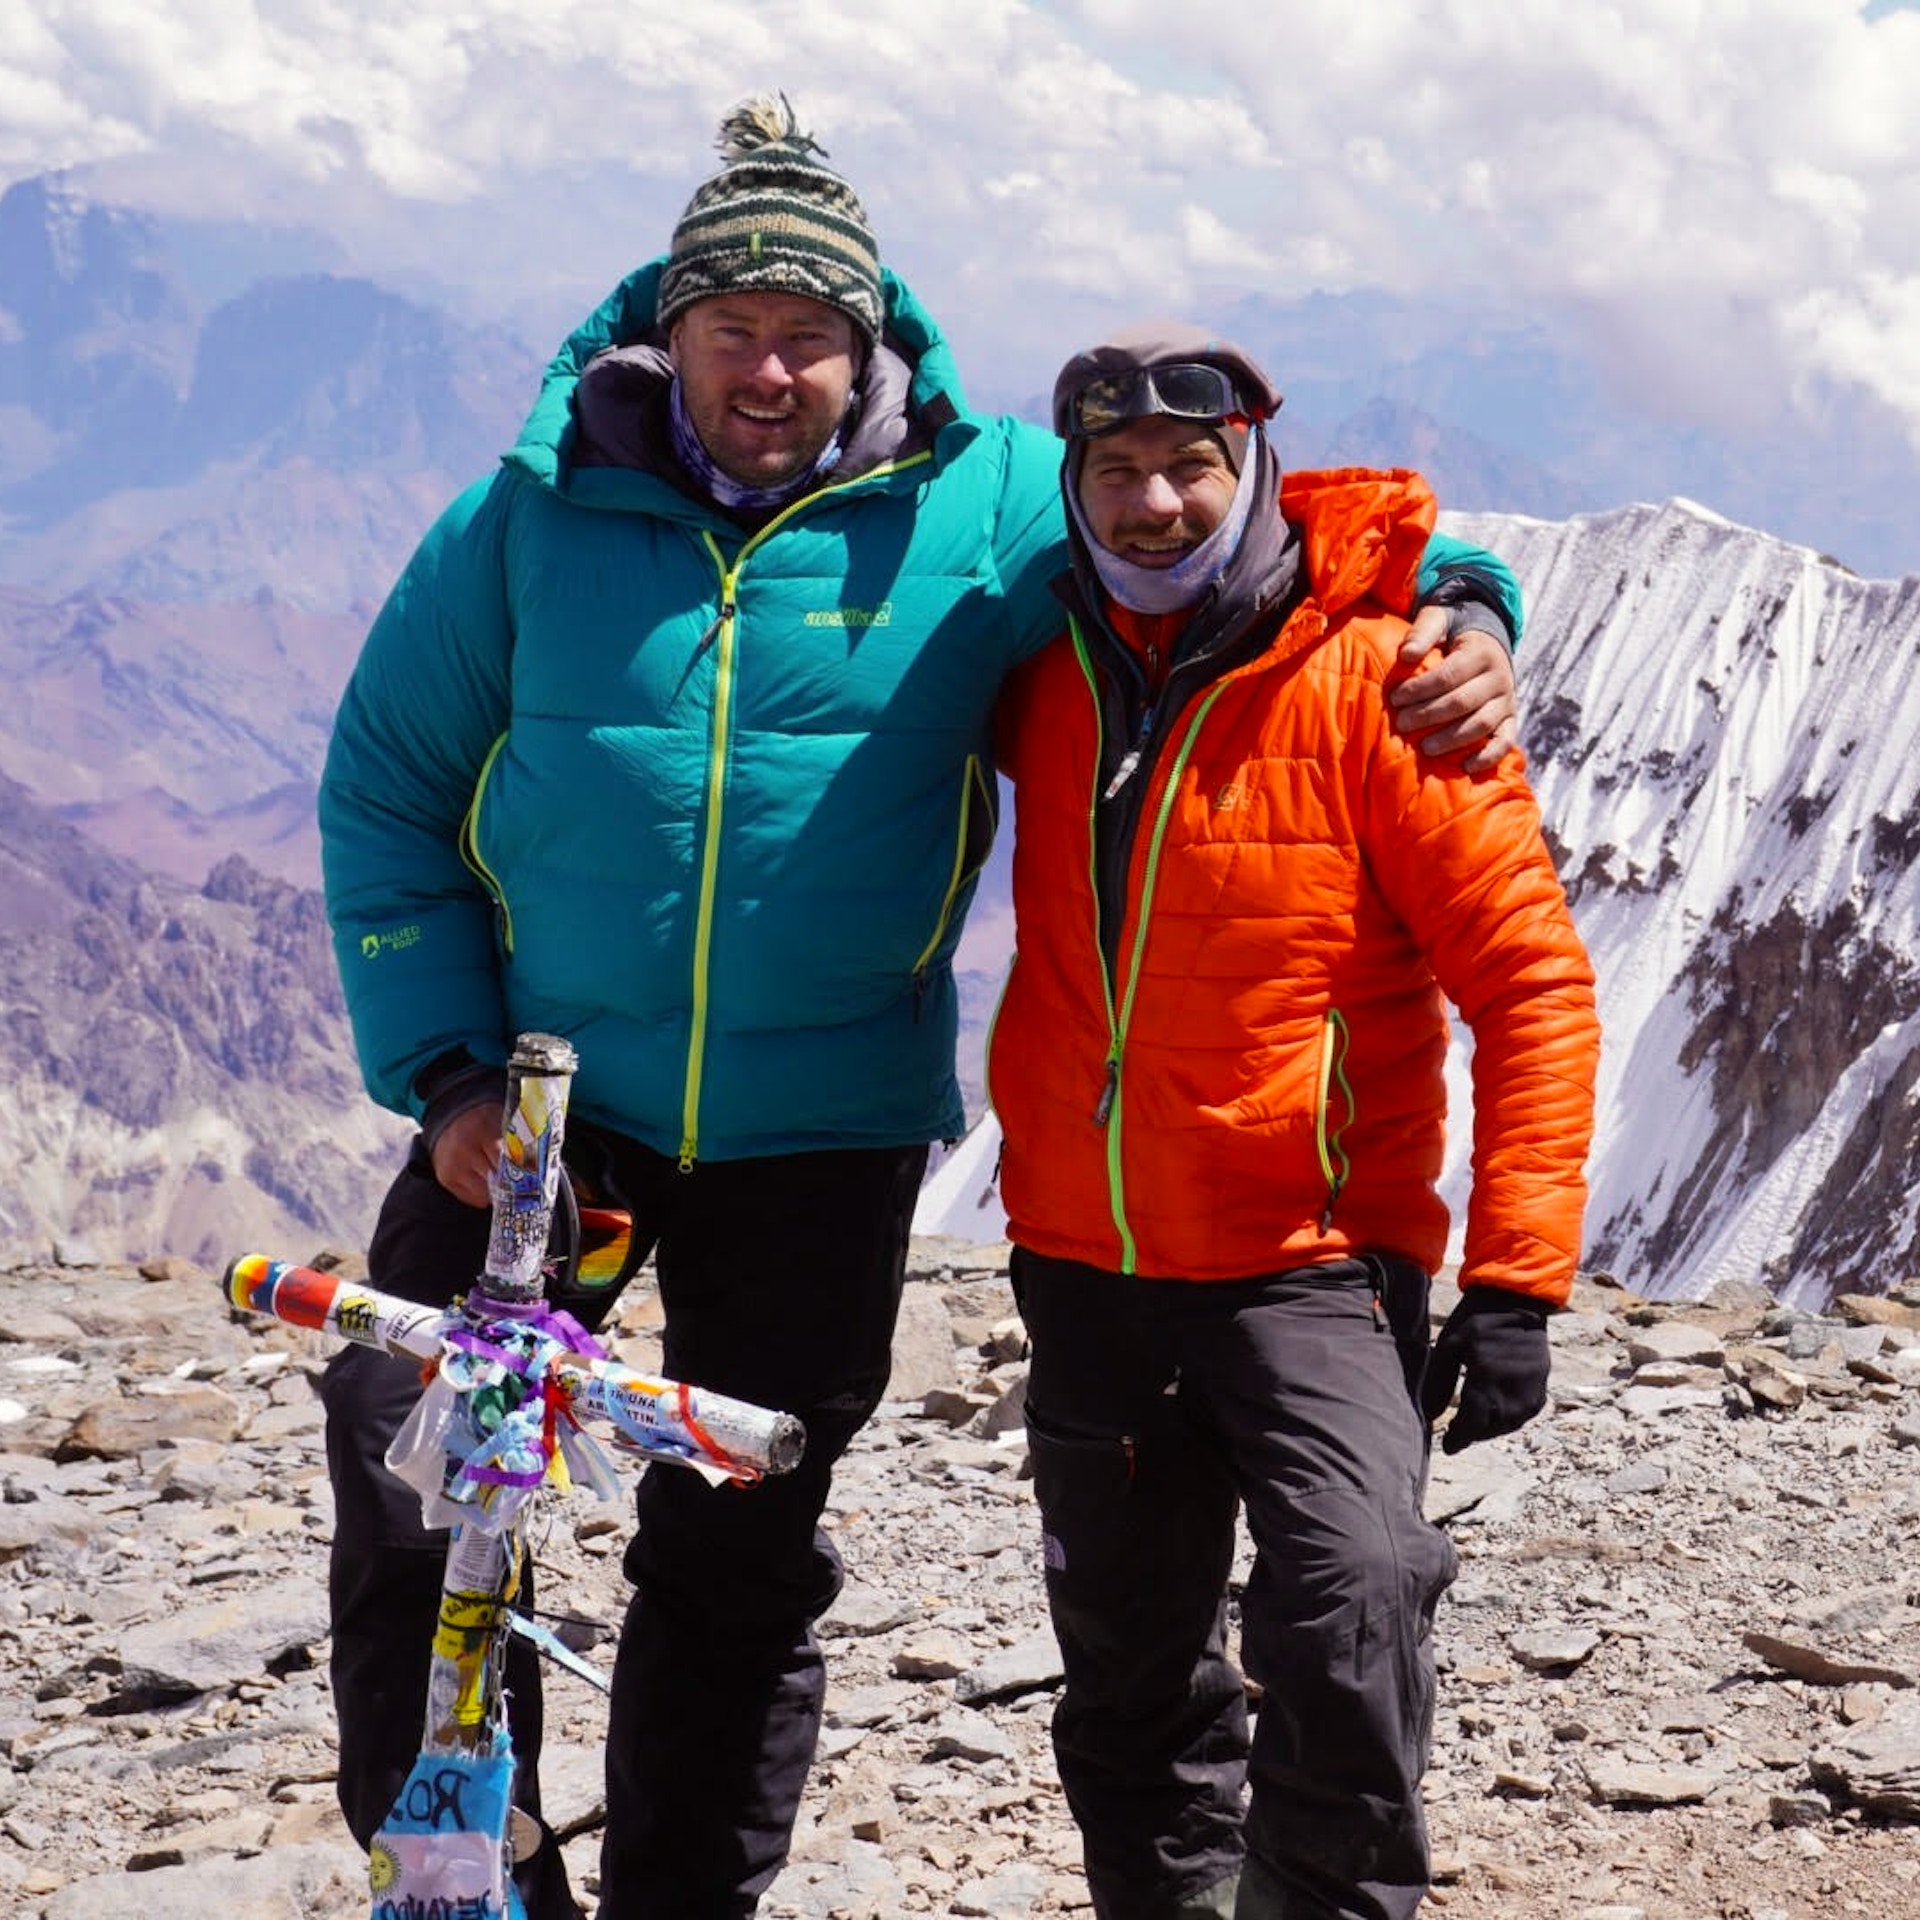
point(1339, 536)
point(911, 376)
point(1363, 531)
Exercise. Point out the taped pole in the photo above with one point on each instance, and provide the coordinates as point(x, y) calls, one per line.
point(526, 1178)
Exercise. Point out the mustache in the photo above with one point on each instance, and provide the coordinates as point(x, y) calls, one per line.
point(1155, 530)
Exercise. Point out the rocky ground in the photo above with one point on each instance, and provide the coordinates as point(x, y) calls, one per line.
point(1679, 1665)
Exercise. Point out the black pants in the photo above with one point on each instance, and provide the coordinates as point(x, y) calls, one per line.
point(1155, 1409)
point(780, 1280)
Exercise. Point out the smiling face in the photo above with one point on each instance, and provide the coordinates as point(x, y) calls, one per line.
point(766, 378)
point(1154, 489)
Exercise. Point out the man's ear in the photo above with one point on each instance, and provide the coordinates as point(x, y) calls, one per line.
point(673, 342)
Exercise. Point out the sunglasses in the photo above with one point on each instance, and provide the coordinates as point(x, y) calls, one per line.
point(1186, 389)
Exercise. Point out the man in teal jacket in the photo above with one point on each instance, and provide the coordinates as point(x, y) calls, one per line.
point(673, 739)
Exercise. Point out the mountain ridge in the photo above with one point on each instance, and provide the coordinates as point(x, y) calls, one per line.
point(177, 1060)
point(1737, 816)
point(1717, 729)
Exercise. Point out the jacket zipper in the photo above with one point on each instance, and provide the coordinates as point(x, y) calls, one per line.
point(972, 783)
point(1109, 1112)
point(724, 631)
point(1335, 1167)
point(476, 861)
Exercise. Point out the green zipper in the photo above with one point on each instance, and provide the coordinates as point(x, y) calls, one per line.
point(957, 875)
point(723, 627)
point(1110, 1110)
point(470, 848)
point(1335, 1166)
point(723, 630)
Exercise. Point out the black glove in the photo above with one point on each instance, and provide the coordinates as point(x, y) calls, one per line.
point(1499, 1341)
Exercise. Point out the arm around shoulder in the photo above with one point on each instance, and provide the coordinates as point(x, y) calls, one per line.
point(1030, 537)
point(1459, 576)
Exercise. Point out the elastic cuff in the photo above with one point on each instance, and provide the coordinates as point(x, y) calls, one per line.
point(1473, 616)
point(454, 1093)
point(1472, 607)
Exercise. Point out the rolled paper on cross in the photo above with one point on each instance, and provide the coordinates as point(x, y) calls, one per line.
point(665, 1419)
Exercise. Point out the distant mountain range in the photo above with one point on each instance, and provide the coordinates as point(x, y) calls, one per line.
point(292, 441)
point(176, 732)
point(200, 506)
point(178, 1070)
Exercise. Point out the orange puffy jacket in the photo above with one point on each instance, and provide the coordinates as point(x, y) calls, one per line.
point(1257, 1082)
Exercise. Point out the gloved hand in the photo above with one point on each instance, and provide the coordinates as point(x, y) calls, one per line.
point(1499, 1341)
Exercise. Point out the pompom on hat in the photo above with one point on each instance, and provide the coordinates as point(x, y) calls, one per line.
point(774, 220)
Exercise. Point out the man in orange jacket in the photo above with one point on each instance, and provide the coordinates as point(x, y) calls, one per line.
point(1218, 1064)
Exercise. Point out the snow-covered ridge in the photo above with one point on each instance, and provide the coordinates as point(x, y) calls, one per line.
point(1722, 731)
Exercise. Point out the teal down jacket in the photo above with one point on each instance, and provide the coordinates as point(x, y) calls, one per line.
point(710, 805)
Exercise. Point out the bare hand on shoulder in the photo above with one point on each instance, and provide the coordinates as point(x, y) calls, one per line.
point(1465, 699)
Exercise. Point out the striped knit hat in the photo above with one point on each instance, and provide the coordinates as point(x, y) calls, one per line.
point(774, 220)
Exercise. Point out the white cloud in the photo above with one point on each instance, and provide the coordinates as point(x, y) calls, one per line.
point(1210, 242)
point(1667, 178)
point(1867, 335)
point(1620, 164)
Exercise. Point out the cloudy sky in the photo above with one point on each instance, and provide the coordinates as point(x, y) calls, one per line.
point(1717, 199)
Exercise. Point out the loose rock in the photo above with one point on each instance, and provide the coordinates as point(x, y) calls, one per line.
point(1676, 1668)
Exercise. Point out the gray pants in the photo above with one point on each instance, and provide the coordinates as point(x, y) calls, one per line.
point(1156, 1409)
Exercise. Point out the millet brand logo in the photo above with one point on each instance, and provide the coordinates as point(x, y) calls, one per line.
point(880, 616)
point(394, 940)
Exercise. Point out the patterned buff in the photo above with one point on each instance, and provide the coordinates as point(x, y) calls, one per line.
point(774, 220)
point(693, 455)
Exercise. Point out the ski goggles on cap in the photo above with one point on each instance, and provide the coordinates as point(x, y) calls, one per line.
point(1185, 389)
